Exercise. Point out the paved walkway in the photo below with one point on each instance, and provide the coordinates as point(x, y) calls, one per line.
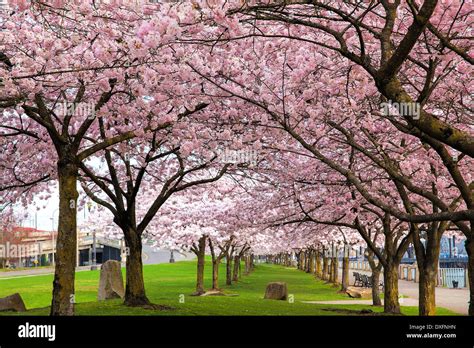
point(33, 272)
point(453, 299)
point(403, 302)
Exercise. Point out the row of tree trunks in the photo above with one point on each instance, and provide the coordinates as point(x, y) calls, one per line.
point(216, 261)
point(233, 261)
point(326, 267)
point(329, 267)
point(249, 263)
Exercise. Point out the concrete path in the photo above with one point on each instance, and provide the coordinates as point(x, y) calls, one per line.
point(453, 299)
point(403, 302)
point(33, 272)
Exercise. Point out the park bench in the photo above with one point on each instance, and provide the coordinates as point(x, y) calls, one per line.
point(364, 281)
point(357, 279)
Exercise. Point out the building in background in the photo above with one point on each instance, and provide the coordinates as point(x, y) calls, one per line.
point(29, 247)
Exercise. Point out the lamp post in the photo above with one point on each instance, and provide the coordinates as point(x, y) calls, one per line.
point(52, 235)
point(94, 253)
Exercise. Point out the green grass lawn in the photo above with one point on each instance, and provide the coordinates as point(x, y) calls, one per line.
point(166, 283)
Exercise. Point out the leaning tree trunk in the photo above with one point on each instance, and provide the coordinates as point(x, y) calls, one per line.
point(391, 304)
point(470, 269)
point(135, 295)
point(64, 273)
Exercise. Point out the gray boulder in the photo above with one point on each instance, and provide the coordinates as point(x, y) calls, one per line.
point(276, 291)
point(111, 281)
point(12, 303)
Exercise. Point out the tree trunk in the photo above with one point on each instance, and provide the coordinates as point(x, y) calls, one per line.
point(335, 271)
point(391, 304)
point(311, 262)
point(376, 301)
point(375, 267)
point(325, 267)
point(427, 287)
point(66, 252)
point(470, 269)
point(318, 265)
point(300, 260)
point(240, 268)
point(201, 253)
point(330, 270)
point(135, 295)
point(235, 275)
point(215, 274)
point(345, 273)
point(247, 264)
point(228, 268)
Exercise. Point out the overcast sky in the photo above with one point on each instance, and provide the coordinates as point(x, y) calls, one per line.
point(47, 210)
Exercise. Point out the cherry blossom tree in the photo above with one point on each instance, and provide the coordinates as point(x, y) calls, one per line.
point(69, 73)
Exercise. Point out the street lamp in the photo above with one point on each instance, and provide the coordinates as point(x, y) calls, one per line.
point(94, 253)
point(52, 234)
